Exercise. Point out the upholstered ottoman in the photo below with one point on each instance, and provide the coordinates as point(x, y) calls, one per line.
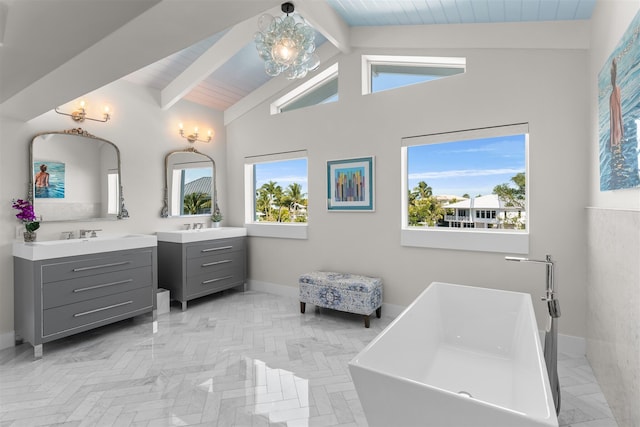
point(342, 291)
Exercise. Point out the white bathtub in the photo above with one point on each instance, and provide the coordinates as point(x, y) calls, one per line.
point(451, 342)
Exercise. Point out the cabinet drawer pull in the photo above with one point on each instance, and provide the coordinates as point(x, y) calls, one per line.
point(84, 313)
point(206, 282)
point(221, 248)
point(209, 264)
point(93, 267)
point(89, 288)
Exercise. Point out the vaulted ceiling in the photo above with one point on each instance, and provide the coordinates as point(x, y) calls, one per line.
point(53, 51)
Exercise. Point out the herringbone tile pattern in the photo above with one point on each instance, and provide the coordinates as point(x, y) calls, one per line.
point(233, 359)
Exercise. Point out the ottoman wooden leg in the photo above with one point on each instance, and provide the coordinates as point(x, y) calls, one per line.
point(303, 305)
point(366, 321)
point(379, 312)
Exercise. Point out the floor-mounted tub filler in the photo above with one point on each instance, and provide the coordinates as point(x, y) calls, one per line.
point(457, 356)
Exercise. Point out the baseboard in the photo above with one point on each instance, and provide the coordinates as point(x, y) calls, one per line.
point(569, 345)
point(272, 288)
point(7, 340)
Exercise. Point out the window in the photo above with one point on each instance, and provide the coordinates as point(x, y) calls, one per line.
point(276, 192)
point(469, 181)
point(321, 89)
point(390, 72)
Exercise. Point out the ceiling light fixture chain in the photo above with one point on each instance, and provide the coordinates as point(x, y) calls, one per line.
point(286, 44)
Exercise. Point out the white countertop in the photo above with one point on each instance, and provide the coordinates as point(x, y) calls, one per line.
point(188, 236)
point(35, 251)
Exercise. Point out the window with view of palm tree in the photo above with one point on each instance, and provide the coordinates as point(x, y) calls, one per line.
point(279, 191)
point(275, 205)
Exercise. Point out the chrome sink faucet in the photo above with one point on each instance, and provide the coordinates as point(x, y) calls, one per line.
point(85, 233)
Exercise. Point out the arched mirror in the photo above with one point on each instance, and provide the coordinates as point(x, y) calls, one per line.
point(190, 184)
point(75, 176)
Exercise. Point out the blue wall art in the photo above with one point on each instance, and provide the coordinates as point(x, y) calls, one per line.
point(48, 180)
point(619, 113)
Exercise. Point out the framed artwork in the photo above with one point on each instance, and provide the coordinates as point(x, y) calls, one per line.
point(48, 180)
point(619, 113)
point(350, 185)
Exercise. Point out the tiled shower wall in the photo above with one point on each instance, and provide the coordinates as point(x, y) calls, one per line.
point(613, 308)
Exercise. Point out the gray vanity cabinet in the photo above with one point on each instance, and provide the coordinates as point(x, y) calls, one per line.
point(58, 297)
point(192, 270)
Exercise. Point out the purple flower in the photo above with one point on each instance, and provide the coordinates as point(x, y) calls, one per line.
point(26, 215)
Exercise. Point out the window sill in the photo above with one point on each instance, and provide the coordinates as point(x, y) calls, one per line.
point(277, 230)
point(467, 240)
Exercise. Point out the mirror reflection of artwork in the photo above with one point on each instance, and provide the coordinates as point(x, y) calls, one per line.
point(619, 113)
point(84, 177)
point(48, 178)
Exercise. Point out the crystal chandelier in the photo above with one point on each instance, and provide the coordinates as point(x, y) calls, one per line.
point(286, 45)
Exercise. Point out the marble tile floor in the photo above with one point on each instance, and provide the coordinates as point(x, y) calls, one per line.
point(232, 359)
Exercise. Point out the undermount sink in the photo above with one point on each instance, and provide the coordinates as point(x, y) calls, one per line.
point(62, 248)
point(198, 235)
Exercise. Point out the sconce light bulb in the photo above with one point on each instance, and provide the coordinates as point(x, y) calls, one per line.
point(210, 133)
point(180, 126)
point(195, 130)
point(106, 110)
point(81, 104)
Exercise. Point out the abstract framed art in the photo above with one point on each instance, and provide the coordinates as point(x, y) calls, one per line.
point(619, 113)
point(350, 185)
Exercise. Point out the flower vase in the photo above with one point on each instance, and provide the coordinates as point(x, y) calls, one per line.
point(29, 236)
point(215, 225)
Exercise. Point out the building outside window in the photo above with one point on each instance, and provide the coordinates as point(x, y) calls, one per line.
point(468, 181)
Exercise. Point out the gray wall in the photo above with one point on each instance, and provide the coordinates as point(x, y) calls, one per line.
point(541, 84)
point(613, 228)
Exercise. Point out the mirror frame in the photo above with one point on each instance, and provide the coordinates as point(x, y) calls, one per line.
point(122, 211)
point(164, 213)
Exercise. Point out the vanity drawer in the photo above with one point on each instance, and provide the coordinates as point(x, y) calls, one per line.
point(218, 246)
point(221, 279)
point(92, 266)
point(213, 263)
point(71, 316)
point(71, 291)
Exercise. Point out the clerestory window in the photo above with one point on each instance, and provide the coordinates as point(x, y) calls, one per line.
point(320, 89)
point(383, 72)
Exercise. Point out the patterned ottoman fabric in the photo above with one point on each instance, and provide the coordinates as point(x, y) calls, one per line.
point(341, 291)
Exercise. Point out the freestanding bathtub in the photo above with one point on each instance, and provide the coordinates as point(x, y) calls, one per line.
point(457, 356)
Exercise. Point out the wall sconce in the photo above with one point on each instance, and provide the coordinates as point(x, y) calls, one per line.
point(80, 115)
point(194, 136)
